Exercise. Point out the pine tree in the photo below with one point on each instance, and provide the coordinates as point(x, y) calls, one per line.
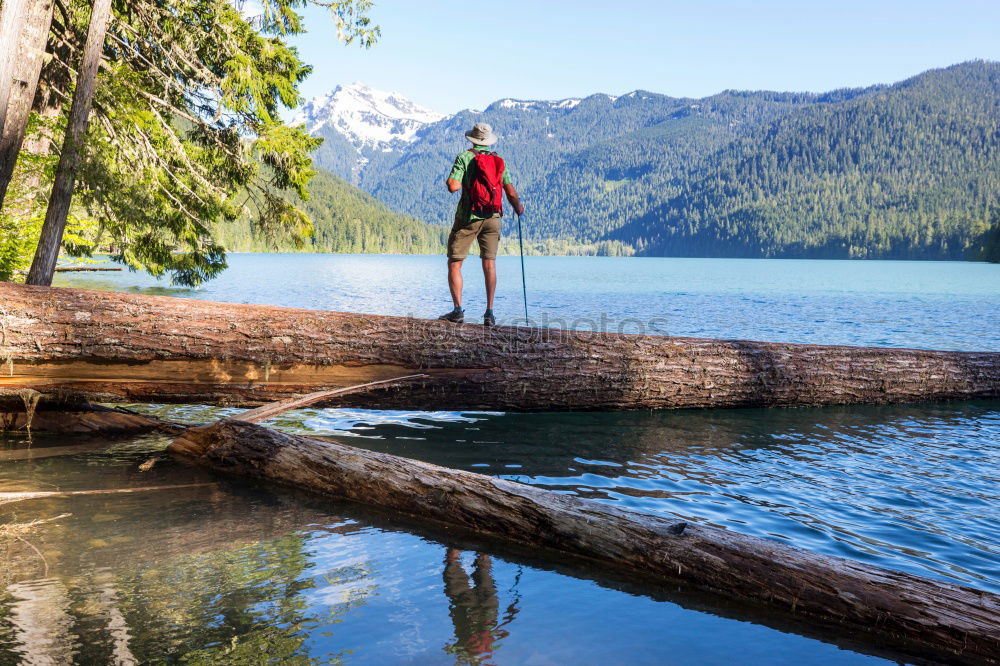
point(185, 133)
point(44, 264)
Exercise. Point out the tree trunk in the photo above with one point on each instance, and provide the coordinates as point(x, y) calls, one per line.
point(12, 15)
point(109, 347)
point(50, 240)
point(24, 30)
point(911, 612)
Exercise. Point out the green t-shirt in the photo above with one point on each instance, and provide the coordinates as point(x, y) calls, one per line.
point(460, 172)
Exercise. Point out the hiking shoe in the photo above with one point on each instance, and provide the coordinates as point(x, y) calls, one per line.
point(489, 319)
point(456, 316)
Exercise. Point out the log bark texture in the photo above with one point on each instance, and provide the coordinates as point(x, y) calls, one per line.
point(951, 621)
point(106, 346)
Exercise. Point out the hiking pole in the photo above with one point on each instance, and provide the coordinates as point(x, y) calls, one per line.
point(524, 283)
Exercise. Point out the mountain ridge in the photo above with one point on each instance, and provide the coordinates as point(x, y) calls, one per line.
point(680, 176)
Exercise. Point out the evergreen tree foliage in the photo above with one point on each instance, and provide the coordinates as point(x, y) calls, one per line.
point(344, 219)
point(347, 220)
point(991, 245)
point(185, 133)
point(908, 172)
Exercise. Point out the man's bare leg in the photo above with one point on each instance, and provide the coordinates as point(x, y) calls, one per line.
point(455, 281)
point(490, 273)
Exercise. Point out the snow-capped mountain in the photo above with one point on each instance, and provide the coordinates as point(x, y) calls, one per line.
point(367, 118)
point(368, 130)
point(508, 103)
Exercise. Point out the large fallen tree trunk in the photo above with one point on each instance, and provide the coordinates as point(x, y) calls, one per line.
point(935, 617)
point(107, 346)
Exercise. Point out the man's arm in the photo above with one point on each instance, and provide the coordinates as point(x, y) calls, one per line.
point(454, 179)
point(512, 198)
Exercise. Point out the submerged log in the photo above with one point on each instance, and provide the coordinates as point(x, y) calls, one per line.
point(8, 497)
point(23, 410)
point(111, 347)
point(37, 453)
point(82, 417)
point(910, 612)
point(86, 269)
point(273, 409)
point(79, 420)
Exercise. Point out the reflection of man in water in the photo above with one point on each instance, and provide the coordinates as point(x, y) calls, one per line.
point(474, 610)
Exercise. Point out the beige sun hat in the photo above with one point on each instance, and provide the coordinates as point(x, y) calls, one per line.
point(481, 134)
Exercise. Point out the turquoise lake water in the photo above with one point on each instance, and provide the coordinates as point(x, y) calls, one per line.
point(224, 571)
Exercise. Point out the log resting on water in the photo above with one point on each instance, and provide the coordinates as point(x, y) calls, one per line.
point(906, 611)
point(106, 346)
point(85, 269)
point(16, 415)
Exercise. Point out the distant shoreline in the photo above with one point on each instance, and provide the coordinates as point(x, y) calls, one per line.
point(105, 259)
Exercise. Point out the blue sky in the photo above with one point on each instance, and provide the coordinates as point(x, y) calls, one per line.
point(455, 54)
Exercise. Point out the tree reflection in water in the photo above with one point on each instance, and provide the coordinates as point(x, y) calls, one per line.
point(240, 606)
point(474, 609)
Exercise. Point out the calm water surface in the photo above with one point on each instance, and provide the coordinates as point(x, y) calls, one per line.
point(222, 571)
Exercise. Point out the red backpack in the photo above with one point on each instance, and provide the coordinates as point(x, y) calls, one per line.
point(486, 185)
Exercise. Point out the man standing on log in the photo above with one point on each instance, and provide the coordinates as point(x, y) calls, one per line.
point(482, 176)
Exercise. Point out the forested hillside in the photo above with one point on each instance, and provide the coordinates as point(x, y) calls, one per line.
point(911, 172)
point(547, 143)
point(903, 171)
point(347, 220)
point(344, 219)
point(593, 192)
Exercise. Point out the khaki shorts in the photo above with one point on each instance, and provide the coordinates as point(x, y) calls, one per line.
point(487, 232)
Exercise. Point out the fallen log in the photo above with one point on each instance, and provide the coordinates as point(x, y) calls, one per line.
point(93, 419)
point(273, 409)
point(8, 497)
point(106, 346)
point(37, 453)
point(86, 269)
point(909, 611)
